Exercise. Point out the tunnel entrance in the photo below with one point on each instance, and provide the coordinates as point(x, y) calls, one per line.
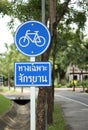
point(22, 101)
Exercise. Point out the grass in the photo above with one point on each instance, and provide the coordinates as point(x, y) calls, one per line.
point(5, 104)
point(58, 123)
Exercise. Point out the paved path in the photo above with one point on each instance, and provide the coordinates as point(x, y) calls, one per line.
point(74, 106)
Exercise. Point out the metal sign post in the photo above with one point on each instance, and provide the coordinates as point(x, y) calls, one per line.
point(32, 105)
point(32, 38)
point(32, 74)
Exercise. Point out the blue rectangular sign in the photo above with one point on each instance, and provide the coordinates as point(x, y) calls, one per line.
point(32, 74)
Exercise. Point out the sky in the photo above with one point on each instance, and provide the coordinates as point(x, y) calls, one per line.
point(5, 33)
point(6, 36)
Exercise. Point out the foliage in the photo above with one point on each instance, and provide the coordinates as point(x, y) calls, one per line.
point(7, 60)
point(85, 83)
point(5, 7)
point(22, 10)
point(5, 104)
point(70, 47)
point(68, 42)
point(67, 46)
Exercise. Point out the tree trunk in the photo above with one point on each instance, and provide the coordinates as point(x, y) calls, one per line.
point(42, 100)
point(50, 105)
point(40, 123)
point(52, 15)
point(41, 104)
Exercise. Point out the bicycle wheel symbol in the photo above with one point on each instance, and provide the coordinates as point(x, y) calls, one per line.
point(40, 42)
point(24, 41)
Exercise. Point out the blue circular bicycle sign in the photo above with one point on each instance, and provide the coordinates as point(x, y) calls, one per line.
point(32, 38)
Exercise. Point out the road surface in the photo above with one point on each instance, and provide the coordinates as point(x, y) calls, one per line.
point(74, 106)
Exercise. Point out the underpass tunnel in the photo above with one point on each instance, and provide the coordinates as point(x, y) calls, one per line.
point(21, 101)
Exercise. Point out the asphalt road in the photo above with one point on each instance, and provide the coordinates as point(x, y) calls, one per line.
point(74, 106)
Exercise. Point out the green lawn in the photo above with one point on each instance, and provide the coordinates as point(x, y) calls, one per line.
point(59, 123)
point(5, 104)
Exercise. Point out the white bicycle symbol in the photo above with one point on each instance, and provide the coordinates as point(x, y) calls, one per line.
point(34, 37)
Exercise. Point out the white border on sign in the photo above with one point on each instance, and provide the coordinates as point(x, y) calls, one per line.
point(47, 43)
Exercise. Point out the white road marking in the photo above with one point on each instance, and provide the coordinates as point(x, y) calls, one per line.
point(72, 100)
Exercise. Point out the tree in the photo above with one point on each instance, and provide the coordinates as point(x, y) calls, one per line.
point(7, 62)
point(60, 14)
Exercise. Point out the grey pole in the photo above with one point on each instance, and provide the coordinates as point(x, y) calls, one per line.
point(43, 11)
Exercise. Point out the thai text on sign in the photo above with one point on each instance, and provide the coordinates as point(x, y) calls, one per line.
point(35, 74)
